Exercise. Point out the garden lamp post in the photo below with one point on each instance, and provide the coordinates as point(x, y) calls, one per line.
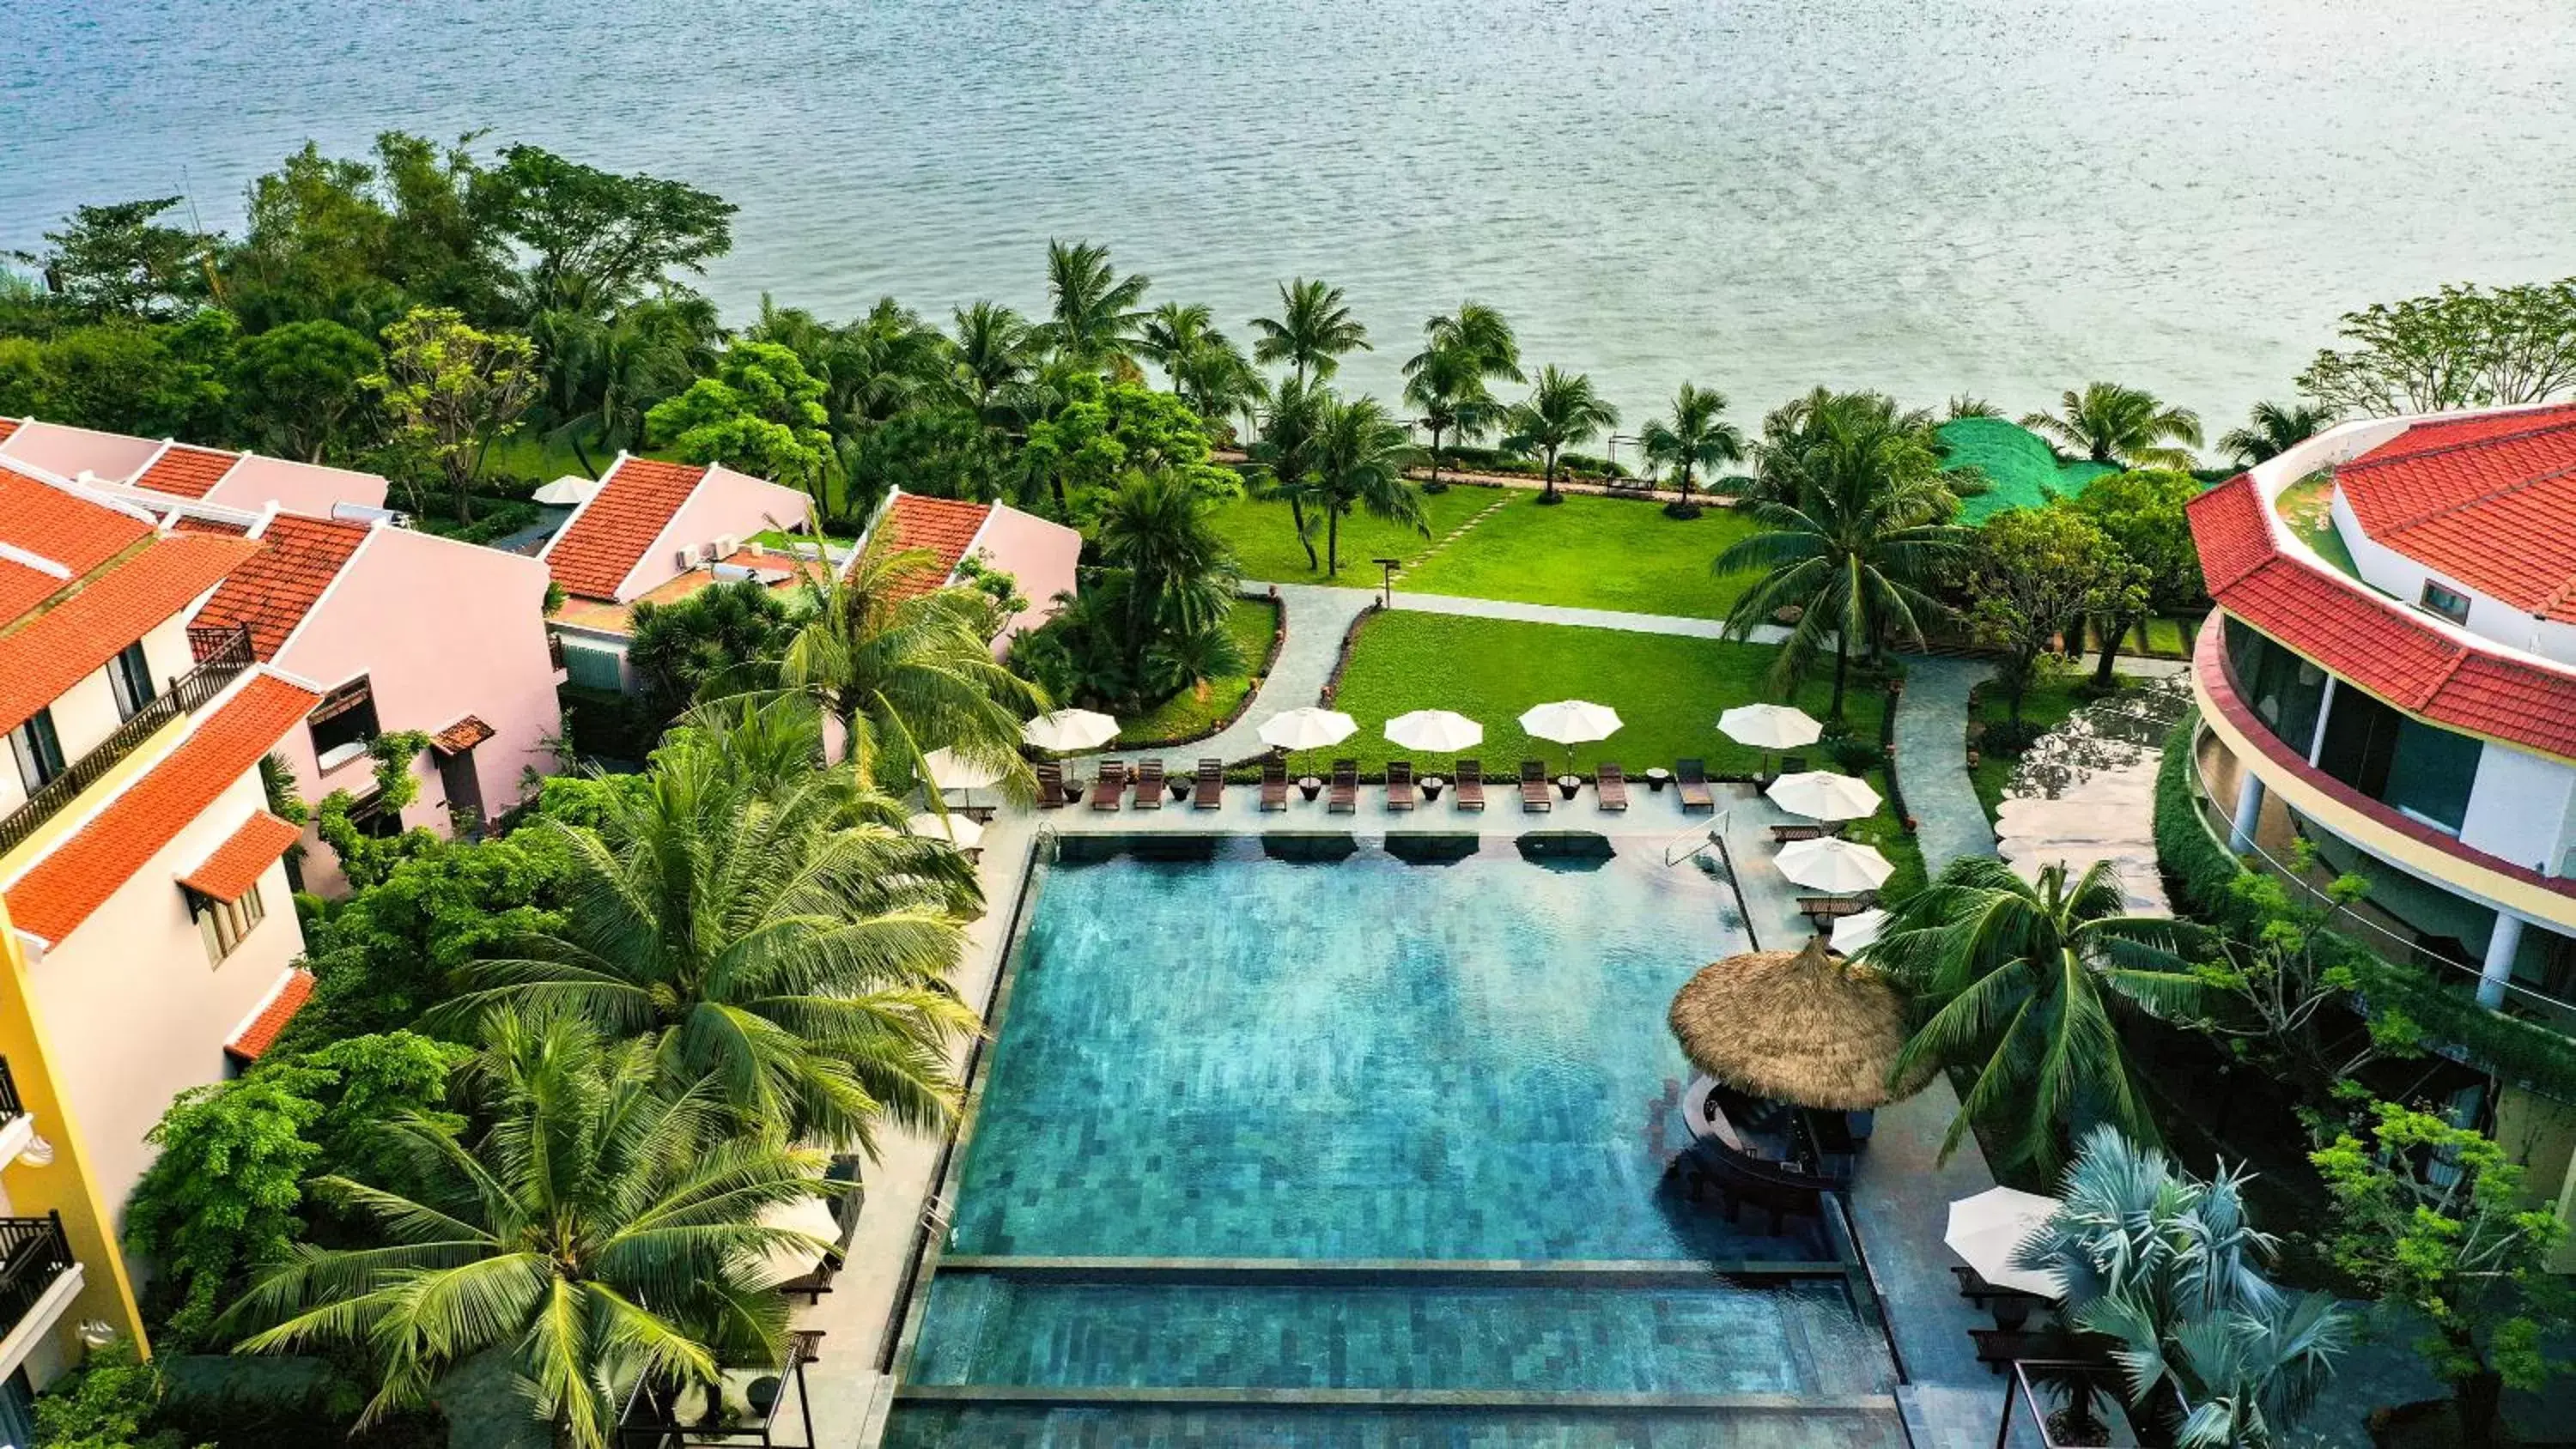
point(1386, 585)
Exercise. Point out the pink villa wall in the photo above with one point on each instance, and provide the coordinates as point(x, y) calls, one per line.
point(724, 503)
point(1040, 554)
point(295, 487)
point(69, 451)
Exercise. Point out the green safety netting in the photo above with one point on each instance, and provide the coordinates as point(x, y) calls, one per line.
point(2019, 465)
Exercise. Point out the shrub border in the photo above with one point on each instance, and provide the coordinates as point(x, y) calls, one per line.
point(1243, 706)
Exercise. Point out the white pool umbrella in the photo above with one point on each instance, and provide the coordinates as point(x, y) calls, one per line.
point(951, 773)
point(811, 1216)
point(1823, 795)
point(1769, 726)
point(1307, 727)
point(1063, 730)
point(957, 830)
point(1851, 933)
point(1570, 721)
point(1435, 731)
point(1835, 865)
point(568, 491)
point(1986, 1229)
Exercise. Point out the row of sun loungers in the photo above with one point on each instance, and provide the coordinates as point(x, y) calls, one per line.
point(1111, 787)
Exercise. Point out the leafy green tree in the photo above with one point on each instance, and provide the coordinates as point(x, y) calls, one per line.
point(384, 956)
point(597, 240)
point(452, 389)
point(2035, 576)
point(2463, 346)
point(725, 638)
point(362, 240)
point(109, 1402)
point(122, 261)
point(2109, 423)
point(2436, 1220)
point(2272, 429)
point(1360, 457)
point(293, 387)
point(1312, 333)
point(1101, 431)
point(2281, 993)
point(124, 377)
point(2142, 512)
point(600, 1232)
point(762, 413)
point(1696, 437)
point(1562, 411)
point(941, 452)
point(2018, 980)
point(1095, 313)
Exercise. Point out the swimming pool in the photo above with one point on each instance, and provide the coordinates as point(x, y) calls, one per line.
point(1315, 1141)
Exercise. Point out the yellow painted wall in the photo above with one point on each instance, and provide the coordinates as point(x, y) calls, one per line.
point(2541, 1134)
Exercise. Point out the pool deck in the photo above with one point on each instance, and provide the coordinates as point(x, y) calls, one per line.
point(1897, 1204)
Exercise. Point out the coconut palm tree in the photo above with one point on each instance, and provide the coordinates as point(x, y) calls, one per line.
point(884, 362)
point(603, 1231)
point(1791, 430)
point(995, 349)
point(609, 374)
point(1361, 453)
point(1285, 453)
point(1476, 332)
point(1095, 312)
point(1562, 410)
point(2272, 429)
point(2126, 426)
point(1448, 384)
point(2020, 979)
point(1696, 436)
point(1204, 366)
point(1854, 545)
point(1312, 331)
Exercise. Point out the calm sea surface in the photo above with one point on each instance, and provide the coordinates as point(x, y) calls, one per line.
point(1932, 196)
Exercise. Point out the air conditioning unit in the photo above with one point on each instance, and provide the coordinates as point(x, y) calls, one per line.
point(707, 553)
point(734, 573)
point(725, 545)
point(686, 558)
point(361, 513)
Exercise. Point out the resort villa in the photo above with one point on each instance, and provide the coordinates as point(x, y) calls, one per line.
point(2391, 673)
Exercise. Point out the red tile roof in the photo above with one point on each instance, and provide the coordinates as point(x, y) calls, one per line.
point(185, 472)
point(55, 524)
point(62, 643)
point(61, 890)
point(7, 426)
point(237, 864)
point(942, 527)
point(272, 592)
point(2487, 501)
point(2372, 641)
point(261, 1032)
point(601, 546)
point(461, 736)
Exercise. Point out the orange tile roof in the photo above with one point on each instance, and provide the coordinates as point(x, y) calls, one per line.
point(272, 592)
point(61, 890)
point(2487, 501)
point(237, 864)
point(602, 544)
point(7, 426)
point(62, 643)
point(461, 736)
point(255, 1038)
point(185, 472)
point(943, 527)
point(57, 524)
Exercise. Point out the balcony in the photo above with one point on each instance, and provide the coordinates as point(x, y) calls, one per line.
point(38, 1280)
point(17, 1126)
point(221, 658)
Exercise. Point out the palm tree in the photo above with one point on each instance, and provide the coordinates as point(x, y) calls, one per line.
point(1697, 436)
point(1096, 312)
point(1312, 331)
point(1852, 547)
point(2126, 426)
point(1286, 455)
point(602, 1232)
point(1360, 456)
point(612, 373)
point(1474, 331)
point(2272, 429)
point(1206, 369)
point(885, 362)
point(906, 669)
point(1180, 574)
point(1561, 411)
point(1801, 424)
point(2019, 978)
point(995, 350)
point(1448, 384)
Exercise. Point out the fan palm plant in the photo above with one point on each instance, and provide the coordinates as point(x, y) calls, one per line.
point(1312, 332)
point(1695, 437)
point(1360, 457)
point(1095, 313)
point(1562, 410)
point(2126, 426)
point(2272, 429)
point(2019, 979)
point(603, 1231)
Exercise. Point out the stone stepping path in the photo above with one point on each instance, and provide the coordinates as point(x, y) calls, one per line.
point(1461, 531)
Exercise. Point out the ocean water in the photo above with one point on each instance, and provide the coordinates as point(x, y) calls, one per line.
point(1999, 197)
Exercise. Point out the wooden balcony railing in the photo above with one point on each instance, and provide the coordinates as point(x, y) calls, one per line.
point(217, 665)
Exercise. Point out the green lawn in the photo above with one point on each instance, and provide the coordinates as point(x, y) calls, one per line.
point(2307, 506)
point(1592, 553)
point(1251, 622)
point(1264, 537)
point(2047, 705)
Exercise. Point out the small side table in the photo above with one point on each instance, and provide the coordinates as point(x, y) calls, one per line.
point(1657, 778)
point(1180, 787)
point(1310, 787)
point(1566, 785)
point(1432, 785)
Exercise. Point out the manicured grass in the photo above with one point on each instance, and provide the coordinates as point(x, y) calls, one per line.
point(2307, 506)
point(2047, 705)
point(1593, 553)
point(1264, 537)
point(1251, 622)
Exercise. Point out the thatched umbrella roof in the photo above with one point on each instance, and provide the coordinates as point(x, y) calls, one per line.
point(1799, 1027)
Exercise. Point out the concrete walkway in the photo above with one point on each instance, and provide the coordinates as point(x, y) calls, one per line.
point(1932, 759)
point(1318, 617)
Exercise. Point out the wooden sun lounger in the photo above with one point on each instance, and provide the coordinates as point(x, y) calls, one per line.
point(1471, 785)
point(1050, 786)
point(1534, 788)
point(1149, 785)
point(1210, 792)
point(1111, 784)
point(1274, 785)
point(1690, 778)
point(1399, 785)
point(1611, 784)
point(1784, 834)
point(1344, 798)
point(1825, 910)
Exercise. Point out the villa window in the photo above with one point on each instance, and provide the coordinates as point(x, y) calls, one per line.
point(2284, 690)
point(223, 925)
point(587, 668)
point(129, 677)
point(342, 723)
point(38, 750)
point(2442, 601)
point(2422, 771)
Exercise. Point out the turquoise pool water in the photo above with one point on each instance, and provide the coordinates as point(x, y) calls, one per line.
point(1383, 1127)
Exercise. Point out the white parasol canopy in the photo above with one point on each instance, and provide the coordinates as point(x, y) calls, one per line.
point(1769, 726)
point(1435, 731)
point(1851, 933)
point(1824, 795)
point(1307, 727)
point(1062, 730)
point(957, 830)
point(1835, 865)
point(569, 491)
point(809, 1215)
point(1986, 1229)
point(948, 772)
point(1570, 721)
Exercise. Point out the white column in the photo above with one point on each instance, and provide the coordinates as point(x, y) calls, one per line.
point(2249, 810)
point(2502, 944)
point(2325, 708)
